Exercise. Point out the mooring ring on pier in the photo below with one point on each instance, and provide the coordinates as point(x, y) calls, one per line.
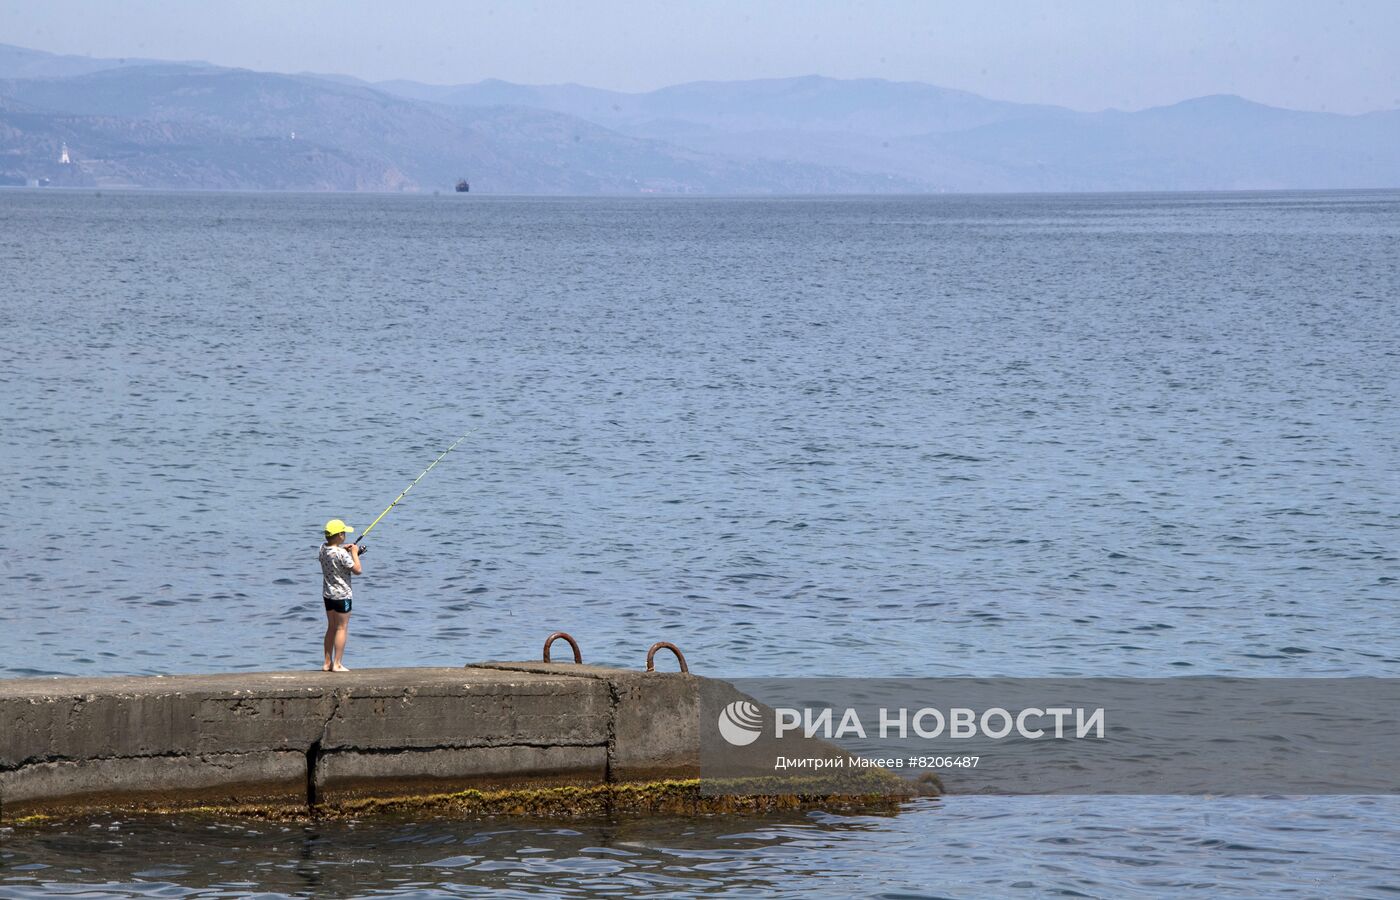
point(665, 645)
point(578, 657)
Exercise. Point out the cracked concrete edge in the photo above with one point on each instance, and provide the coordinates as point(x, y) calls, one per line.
point(283, 777)
point(653, 717)
point(342, 775)
point(277, 774)
point(207, 742)
point(53, 728)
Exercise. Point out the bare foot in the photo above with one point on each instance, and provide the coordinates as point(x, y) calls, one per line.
point(326, 667)
point(339, 668)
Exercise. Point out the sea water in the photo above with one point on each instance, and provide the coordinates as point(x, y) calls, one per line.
point(1136, 435)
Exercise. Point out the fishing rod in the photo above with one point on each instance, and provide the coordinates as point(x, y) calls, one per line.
point(360, 543)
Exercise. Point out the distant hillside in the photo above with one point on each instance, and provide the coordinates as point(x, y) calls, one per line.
point(108, 151)
point(19, 62)
point(396, 143)
point(201, 126)
point(955, 141)
point(1211, 143)
point(866, 106)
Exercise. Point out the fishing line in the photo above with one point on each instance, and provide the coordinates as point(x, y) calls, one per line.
point(405, 491)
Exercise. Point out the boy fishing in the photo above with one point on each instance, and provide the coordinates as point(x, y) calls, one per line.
point(338, 564)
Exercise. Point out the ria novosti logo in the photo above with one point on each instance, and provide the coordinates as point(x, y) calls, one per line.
point(740, 723)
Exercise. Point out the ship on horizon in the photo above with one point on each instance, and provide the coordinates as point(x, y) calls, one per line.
point(462, 186)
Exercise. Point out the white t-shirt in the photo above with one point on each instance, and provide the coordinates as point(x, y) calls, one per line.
point(336, 569)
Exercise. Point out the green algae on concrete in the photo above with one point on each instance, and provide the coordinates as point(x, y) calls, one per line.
point(674, 797)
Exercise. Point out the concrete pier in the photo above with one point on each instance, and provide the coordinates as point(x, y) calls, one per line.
point(312, 739)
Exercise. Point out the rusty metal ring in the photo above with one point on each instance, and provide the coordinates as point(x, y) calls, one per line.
point(665, 645)
point(578, 657)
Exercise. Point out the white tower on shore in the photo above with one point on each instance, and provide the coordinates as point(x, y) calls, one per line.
point(63, 156)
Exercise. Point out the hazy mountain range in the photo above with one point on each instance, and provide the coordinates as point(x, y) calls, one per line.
point(152, 124)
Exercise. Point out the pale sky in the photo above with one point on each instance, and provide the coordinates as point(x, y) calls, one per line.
point(1341, 56)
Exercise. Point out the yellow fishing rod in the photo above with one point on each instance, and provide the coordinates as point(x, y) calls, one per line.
point(360, 542)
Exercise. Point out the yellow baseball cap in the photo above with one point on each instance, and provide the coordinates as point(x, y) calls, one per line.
point(336, 526)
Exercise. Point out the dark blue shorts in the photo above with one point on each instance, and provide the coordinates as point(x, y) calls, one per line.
point(337, 605)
